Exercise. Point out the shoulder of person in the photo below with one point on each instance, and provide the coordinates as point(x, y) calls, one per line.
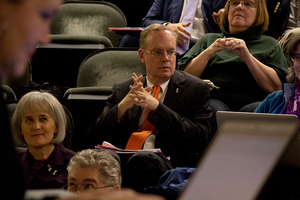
point(269, 39)
point(70, 153)
point(276, 94)
point(274, 97)
point(67, 152)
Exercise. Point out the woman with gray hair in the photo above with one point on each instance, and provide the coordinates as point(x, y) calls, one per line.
point(94, 171)
point(39, 122)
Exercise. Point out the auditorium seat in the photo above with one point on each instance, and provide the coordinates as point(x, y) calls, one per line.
point(97, 74)
point(105, 67)
point(78, 29)
point(8, 93)
point(88, 18)
point(58, 64)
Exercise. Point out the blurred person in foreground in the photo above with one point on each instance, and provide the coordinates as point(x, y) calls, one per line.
point(23, 25)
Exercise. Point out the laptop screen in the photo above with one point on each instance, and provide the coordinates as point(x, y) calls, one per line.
point(242, 155)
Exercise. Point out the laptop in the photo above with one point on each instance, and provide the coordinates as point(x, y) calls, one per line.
point(224, 116)
point(242, 155)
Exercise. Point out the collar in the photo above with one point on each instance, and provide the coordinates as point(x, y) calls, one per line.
point(289, 90)
point(57, 156)
point(163, 86)
point(248, 34)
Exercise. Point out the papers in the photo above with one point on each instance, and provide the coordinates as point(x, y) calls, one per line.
point(126, 30)
point(107, 145)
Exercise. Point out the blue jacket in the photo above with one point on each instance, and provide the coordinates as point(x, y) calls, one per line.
point(276, 102)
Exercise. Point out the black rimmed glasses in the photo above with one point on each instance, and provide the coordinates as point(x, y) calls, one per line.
point(84, 188)
point(159, 54)
point(245, 4)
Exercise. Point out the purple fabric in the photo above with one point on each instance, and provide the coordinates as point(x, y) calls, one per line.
point(53, 173)
point(293, 106)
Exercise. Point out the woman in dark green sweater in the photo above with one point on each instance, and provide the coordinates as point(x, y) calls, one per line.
point(243, 63)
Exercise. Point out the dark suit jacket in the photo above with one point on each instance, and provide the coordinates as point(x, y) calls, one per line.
point(170, 11)
point(278, 17)
point(182, 121)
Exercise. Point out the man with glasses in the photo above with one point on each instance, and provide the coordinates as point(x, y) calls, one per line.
point(181, 115)
point(93, 171)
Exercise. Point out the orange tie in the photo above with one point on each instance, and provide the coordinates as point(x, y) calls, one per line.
point(137, 139)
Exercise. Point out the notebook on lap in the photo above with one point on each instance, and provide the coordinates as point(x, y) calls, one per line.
point(243, 154)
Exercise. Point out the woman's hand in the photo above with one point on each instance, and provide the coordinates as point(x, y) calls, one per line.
point(218, 45)
point(237, 46)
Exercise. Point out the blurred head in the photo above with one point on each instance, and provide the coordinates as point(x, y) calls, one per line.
point(39, 120)
point(158, 52)
point(294, 54)
point(23, 25)
point(94, 171)
point(239, 15)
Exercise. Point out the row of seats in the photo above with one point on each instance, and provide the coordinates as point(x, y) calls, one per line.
point(79, 29)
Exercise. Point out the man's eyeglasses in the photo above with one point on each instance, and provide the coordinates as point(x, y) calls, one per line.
point(84, 188)
point(246, 4)
point(158, 54)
